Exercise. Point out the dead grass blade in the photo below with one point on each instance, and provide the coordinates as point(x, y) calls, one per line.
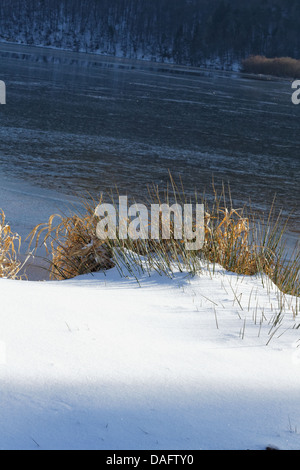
point(9, 264)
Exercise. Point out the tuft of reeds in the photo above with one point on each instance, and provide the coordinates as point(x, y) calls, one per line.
point(279, 67)
point(73, 244)
point(228, 240)
point(235, 238)
point(9, 264)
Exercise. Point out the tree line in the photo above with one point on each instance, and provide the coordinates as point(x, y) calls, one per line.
point(189, 32)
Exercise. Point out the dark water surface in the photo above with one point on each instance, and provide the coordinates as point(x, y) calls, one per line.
point(77, 122)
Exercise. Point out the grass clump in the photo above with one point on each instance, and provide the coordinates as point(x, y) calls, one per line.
point(227, 241)
point(234, 238)
point(9, 264)
point(73, 244)
point(279, 67)
point(246, 243)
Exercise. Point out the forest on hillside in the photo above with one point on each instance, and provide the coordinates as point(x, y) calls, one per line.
point(188, 32)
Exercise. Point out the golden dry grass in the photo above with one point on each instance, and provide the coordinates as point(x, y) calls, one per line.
point(280, 67)
point(9, 264)
point(233, 239)
point(227, 241)
point(73, 244)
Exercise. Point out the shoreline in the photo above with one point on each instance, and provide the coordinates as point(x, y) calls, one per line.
point(27, 205)
point(169, 66)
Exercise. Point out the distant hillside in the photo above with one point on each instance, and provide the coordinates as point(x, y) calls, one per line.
point(188, 32)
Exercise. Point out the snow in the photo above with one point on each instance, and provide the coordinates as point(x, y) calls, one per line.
point(104, 362)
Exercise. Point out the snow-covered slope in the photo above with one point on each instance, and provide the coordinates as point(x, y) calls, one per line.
point(101, 362)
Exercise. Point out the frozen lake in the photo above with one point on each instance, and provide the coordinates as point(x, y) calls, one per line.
point(76, 122)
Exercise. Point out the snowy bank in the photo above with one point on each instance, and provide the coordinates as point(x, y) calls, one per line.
point(100, 362)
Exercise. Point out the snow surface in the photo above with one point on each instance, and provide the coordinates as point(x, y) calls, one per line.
point(103, 362)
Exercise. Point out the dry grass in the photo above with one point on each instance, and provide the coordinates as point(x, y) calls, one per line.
point(73, 244)
point(235, 239)
point(280, 67)
point(227, 242)
point(9, 264)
